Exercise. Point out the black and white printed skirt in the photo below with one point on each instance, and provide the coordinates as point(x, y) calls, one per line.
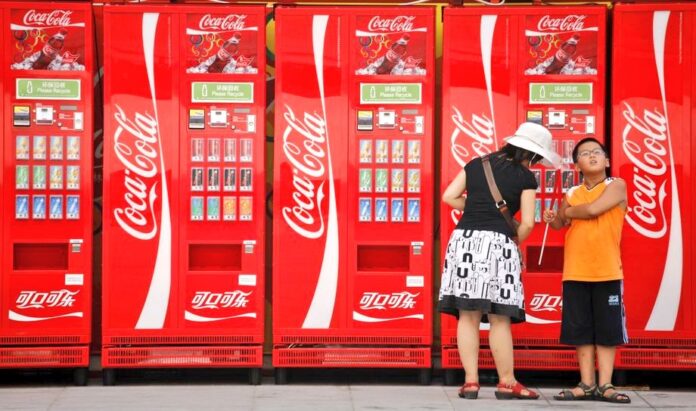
point(482, 272)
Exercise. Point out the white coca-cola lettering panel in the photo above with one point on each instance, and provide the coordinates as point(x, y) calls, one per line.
point(650, 151)
point(387, 301)
point(140, 148)
point(46, 302)
point(310, 140)
point(219, 298)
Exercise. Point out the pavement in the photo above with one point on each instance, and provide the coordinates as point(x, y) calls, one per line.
point(199, 393)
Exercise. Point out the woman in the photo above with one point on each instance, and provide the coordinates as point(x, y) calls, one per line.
point(481, 274)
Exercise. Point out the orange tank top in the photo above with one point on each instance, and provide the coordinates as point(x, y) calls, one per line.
point(592, 246)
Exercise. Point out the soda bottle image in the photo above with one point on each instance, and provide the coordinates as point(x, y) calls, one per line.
point(414, 152)
point(365, 151)
point(413, 210)
point(394, 54)
point(563, 54)
point(245, 208)
point(365, 180)
point(365, 209)
point(228, 50)
point(50, 50)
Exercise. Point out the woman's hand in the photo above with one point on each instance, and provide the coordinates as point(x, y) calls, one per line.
point(527, 205)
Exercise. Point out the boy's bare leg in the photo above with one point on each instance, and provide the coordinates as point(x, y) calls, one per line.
point(605, 362)
point(586, 356)
point(468, 344)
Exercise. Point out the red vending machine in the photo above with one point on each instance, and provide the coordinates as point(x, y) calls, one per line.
point(46, 267)
point(503, 66)
point(653, 127)
point(353, 188)
point(183, 281)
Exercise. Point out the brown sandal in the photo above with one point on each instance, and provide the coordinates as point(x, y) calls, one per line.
point(516, 392)
point(616, 397)
point(567, 393)
point(469, 395)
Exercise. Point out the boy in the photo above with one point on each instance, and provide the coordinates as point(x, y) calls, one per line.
point(593, 313)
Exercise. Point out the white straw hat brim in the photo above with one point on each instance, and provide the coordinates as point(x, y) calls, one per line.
point(550, 158)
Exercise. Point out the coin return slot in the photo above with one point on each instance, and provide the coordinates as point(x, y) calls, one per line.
point(40, 257)
point(551, 262)
point(215, 257)
point(383, 258)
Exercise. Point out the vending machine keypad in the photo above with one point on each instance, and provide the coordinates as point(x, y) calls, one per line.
point(47, 170)
point(221, 175)
point(389, 164)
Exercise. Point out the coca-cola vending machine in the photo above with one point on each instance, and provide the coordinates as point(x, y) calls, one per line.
point(503, 66)
point(45, 266)
point(183, 188)
point(653, 128)
point(353, 188)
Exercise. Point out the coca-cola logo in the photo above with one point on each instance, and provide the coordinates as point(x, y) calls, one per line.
point(546, 302)
point(223, 23)
point(38, 299)
point(470, 139)
point(304, 141)
point(395, 24)
point(49, 19)
point(227, 299)
point(643, 142)
point(572, 22)
point(382, 301)
point(135, 146)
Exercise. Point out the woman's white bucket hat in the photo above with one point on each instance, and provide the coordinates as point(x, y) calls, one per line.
point(537, 139)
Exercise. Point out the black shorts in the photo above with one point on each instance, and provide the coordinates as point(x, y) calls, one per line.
point(593, 313)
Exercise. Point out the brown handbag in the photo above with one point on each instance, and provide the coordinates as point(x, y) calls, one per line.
point(500, 203)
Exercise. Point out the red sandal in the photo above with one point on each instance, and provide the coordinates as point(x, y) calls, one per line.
point(469, 395)
point(516, 392)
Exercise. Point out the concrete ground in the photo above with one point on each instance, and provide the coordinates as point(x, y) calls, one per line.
point(311, 397)
point(316, 390)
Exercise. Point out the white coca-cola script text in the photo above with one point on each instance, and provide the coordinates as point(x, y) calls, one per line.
point(571, 22)
point(37, 299)
point(50, 19)
point(380, 301)
point(223, 23)
point(304, 142)
point(227, 299)
point(644, 140)
point(394, 24)
point(136, 147)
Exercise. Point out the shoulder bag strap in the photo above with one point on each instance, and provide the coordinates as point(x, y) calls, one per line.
point(500, 203)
